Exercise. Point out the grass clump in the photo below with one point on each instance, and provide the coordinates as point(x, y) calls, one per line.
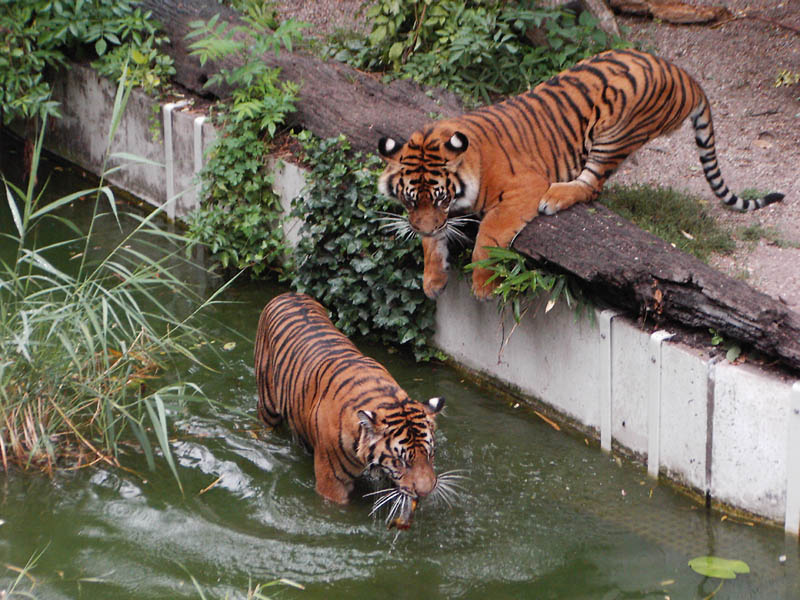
point(675, 217)
point(83, 332)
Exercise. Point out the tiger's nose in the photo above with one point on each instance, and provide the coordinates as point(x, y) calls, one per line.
point(424, 484)
point(426, 223)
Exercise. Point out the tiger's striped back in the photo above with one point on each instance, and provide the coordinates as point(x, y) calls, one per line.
point(344, 406)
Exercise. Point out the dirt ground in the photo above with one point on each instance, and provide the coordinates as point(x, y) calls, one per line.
point(757, 125)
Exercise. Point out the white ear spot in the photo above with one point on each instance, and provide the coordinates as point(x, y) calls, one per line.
point(456, 142)
point(389, 145)
point(436, 404)
point(367, 419)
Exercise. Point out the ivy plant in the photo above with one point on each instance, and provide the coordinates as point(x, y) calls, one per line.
point(369, 279)
point(239, 219)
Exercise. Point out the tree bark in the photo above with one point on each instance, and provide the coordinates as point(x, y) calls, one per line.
point(632, 269)
point(334, 98)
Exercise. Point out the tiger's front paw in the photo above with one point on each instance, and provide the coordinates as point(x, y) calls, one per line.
point(562, 195)
point(433, 283)
point(481, 286)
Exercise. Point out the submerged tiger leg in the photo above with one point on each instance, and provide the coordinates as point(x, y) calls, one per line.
point(516, 208)
point(434, 277)
point(267, 409)
point(327, 484)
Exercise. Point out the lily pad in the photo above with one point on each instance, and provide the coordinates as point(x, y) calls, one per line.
point(721, 568)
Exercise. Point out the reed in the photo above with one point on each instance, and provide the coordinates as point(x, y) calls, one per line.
point(85, 333)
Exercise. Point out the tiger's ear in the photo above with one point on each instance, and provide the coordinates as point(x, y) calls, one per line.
point(388, 147)
point(457, 143)
point(368, 421)
point(434, 406)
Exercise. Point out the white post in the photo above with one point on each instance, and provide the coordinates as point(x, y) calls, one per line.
point(654, 403)
point(169, 160)
point(605, 379)
point(792, 521)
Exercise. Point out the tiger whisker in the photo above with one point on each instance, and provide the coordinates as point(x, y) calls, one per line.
point(399, 503)
point(391, 496)
point(464, 220)
point(448, 489)
point(382, 491)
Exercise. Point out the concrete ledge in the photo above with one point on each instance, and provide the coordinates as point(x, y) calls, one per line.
point(166, 135)
point(715, 428)
point(730, 433)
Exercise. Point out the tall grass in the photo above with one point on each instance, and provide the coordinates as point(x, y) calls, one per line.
point(81, 344)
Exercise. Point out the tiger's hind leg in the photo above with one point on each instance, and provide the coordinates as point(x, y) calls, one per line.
point(267, 409)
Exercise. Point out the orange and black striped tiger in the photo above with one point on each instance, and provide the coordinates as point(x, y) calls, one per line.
point(541, 152)
point(345, 407)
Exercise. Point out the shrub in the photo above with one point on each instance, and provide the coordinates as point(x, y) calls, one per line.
point(40, 33)
point(479, 49)
point(368, 279)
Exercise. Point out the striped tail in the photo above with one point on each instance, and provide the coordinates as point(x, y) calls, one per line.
point(704, 136)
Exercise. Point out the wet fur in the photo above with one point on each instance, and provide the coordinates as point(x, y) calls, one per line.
point(342, 405)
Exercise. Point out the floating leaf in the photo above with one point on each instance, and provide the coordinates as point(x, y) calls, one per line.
point(229, 346)
point(721, 568)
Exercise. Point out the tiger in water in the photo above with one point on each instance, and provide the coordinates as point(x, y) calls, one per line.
point(541, 152)
point(346, 408)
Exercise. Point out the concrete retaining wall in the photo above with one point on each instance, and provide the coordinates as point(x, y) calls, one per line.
point(731, 433)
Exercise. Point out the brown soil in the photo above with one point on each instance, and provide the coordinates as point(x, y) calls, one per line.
point(757, 125)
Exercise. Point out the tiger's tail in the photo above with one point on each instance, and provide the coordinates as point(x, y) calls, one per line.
point(704, 137)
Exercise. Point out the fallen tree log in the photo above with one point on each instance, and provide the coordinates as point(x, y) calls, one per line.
point(634, 270)
point(334, 98)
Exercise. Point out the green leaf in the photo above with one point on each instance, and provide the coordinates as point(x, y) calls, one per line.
point(14, 211)
point(100, 47)
point(138, 57)
point(733, 353)
point(720, 568)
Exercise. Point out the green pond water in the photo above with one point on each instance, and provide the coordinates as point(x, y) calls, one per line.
point(543, 513)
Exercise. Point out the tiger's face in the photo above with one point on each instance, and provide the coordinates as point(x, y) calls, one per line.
point(434, 175)
point(400, 444)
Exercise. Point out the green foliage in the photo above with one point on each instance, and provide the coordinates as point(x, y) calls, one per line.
point(675, 217)
point(732, 350)
point(38, 34)
point(756, 232)
point(368, 279)
point(240, 217)
point(147, 67)
point(257, 93)
point(82, 331)
point(519, 284)
point(479, 49)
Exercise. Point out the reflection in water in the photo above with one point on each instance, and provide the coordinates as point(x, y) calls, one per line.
point(543, 514)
